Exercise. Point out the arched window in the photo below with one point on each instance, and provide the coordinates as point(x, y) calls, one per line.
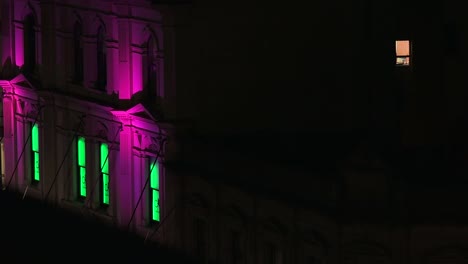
point(29, 44)
point(151, 70)
point(101, 81)
point(78, 52)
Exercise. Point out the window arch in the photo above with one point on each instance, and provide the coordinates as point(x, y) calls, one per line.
point(151, 70)
point(78, 52)
point(29, 39)
point(101, 81)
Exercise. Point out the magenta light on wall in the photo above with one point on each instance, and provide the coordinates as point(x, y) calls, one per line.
point(19, 48)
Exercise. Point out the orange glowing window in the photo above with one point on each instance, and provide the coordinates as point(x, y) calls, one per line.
point(403, 52)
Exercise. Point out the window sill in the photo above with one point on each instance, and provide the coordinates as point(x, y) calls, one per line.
point(78, 207)
point(100, 215)
point(81, 91)
point(72, 205)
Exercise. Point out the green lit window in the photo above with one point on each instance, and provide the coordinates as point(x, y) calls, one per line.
point(154, 190)
point(35, 153)
point(104, 158)
point(81, 148)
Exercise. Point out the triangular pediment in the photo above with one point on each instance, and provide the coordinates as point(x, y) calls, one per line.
point(22, 81)
point(140, 111)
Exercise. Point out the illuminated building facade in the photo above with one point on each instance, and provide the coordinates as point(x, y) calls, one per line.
point(83, 89)
point(94, 91)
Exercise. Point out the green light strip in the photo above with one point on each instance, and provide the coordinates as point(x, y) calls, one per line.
point(154, 185)
point(37, 176)
point(35, 150)
point(155, 205)
point(35, 138)
point(105, 188)
point(105, 172)
point(104, 153)
point(81, 152)
point(81, 146)
point(154, 181)
point(83, 181)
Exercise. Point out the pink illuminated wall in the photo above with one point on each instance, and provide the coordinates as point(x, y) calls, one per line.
point(126, 50)
point(139, 128)
point(19, 45)
point(137, 56)
point(141, 34)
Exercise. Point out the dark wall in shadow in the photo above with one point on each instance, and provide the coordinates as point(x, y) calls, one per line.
point(34, 232)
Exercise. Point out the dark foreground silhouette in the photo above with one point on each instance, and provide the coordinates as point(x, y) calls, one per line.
point(32, 232)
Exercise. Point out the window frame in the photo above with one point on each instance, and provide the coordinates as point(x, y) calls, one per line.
point(2, 163)
point(151, 68)
point(81, 168)
point(103, 174)
point(409, 56)
point(35, 157)
point(29, 43)
point(78, 53)
point(152, 189)
point(200, 237)
point(101, 59)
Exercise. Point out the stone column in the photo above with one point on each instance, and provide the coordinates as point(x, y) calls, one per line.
point(49, 158)
point(123, 184)
point(8, 135)
point(124, 84)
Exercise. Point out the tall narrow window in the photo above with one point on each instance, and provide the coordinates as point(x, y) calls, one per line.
point(151, 70)
point(236, 247)
point(35, 153)
point(104, 158)
point(200, 238)
point(81, 148)
point(2, 163)
point(101, 81)
point(78, 52)
point(29, 39)
point(154, 190)
point(272, 254)
point(403, 52)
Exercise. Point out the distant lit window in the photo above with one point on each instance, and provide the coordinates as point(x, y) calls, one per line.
point(104, 160)
point(154, 190)
point(81, 155)
point(403, 52)
point(35, 153)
